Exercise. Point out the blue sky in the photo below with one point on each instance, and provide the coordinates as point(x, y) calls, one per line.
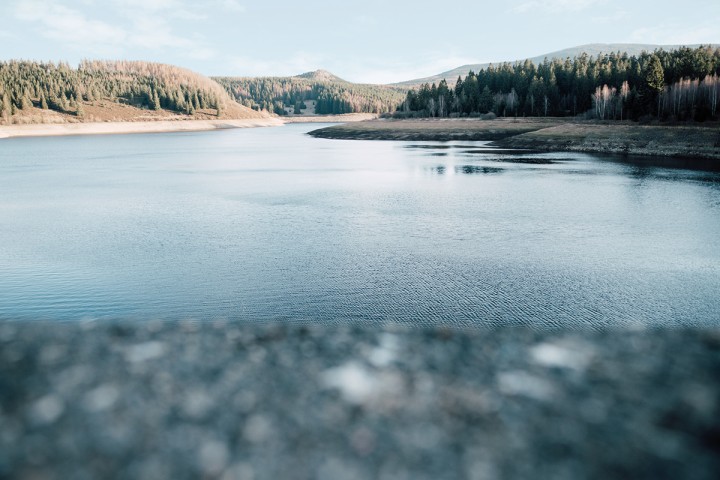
point(371, 40)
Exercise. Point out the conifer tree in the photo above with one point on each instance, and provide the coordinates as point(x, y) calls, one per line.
point(156, 101)
point(655, 75)
point(5, 108)
point(25, 103)
point(6, 103)
point(486, 100)
point(655, 79)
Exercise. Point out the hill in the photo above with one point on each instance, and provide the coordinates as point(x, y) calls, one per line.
point(681, 84)
point(33, 92)
point(321, 76)
point(319, 92)
point(592, 49)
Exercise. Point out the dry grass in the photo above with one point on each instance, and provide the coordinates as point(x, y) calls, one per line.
point(109, 111)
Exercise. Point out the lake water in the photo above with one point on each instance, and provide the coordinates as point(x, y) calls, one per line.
point(271, 224)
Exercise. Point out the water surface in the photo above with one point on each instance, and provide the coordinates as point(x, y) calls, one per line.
point(271, 224)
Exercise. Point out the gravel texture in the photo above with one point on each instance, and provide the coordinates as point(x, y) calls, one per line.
point(226, 400)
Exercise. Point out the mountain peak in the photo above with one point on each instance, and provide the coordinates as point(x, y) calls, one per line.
point(321, 75)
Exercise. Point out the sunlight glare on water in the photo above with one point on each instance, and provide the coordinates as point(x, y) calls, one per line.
point(271, 224)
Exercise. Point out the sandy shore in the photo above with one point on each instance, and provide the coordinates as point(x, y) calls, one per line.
point(106, 128)
point(161, 126)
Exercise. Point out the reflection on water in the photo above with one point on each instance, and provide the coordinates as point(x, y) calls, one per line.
point(669, 163)
point(271, 224)
point(463, 169)
point(434, 146)
point(530, 159)
point(476, 169)
point(480, 147)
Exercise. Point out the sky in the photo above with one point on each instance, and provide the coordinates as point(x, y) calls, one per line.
point(373, 41)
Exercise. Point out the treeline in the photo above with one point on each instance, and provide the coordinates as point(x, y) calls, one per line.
point(146, 85)
point(276, 94)
point(681, 84)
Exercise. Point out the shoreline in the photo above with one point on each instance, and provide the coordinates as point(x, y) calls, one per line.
point(676, 141)
point(698, 141)
point(341, 118)
point(117, 128)
point(467, 129)
point(166, 126)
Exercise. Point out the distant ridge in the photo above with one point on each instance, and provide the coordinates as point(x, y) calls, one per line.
point(592, 49)
point(321, 76)
point(312, 93)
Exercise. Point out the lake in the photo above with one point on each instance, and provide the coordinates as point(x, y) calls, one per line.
point(269, 224)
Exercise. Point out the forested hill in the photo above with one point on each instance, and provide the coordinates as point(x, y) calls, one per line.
point(32, 92)
point(321, 76)
point(592, 49)
point(681, 84)
point(330, 94)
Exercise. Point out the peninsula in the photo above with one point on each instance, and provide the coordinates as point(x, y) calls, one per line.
point(696, 140)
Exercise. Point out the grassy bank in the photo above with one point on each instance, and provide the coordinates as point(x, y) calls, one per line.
point(547, 134)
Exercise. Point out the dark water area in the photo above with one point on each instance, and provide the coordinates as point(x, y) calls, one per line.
point(273, 225)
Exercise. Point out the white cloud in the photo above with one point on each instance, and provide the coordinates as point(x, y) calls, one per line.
point(401, 71)
point(352, 69)
point(154, 34)
point(183, 14)
point(70, 26)
point(148, 5)
point(554, 6)
point(232, 5)
point(148, 30)
point(300, 62)
point(202, 53)
point(166, 8)
point(675, 35)
point(615, 17)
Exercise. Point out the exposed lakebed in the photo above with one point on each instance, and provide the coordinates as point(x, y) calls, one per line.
point(271, 224)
